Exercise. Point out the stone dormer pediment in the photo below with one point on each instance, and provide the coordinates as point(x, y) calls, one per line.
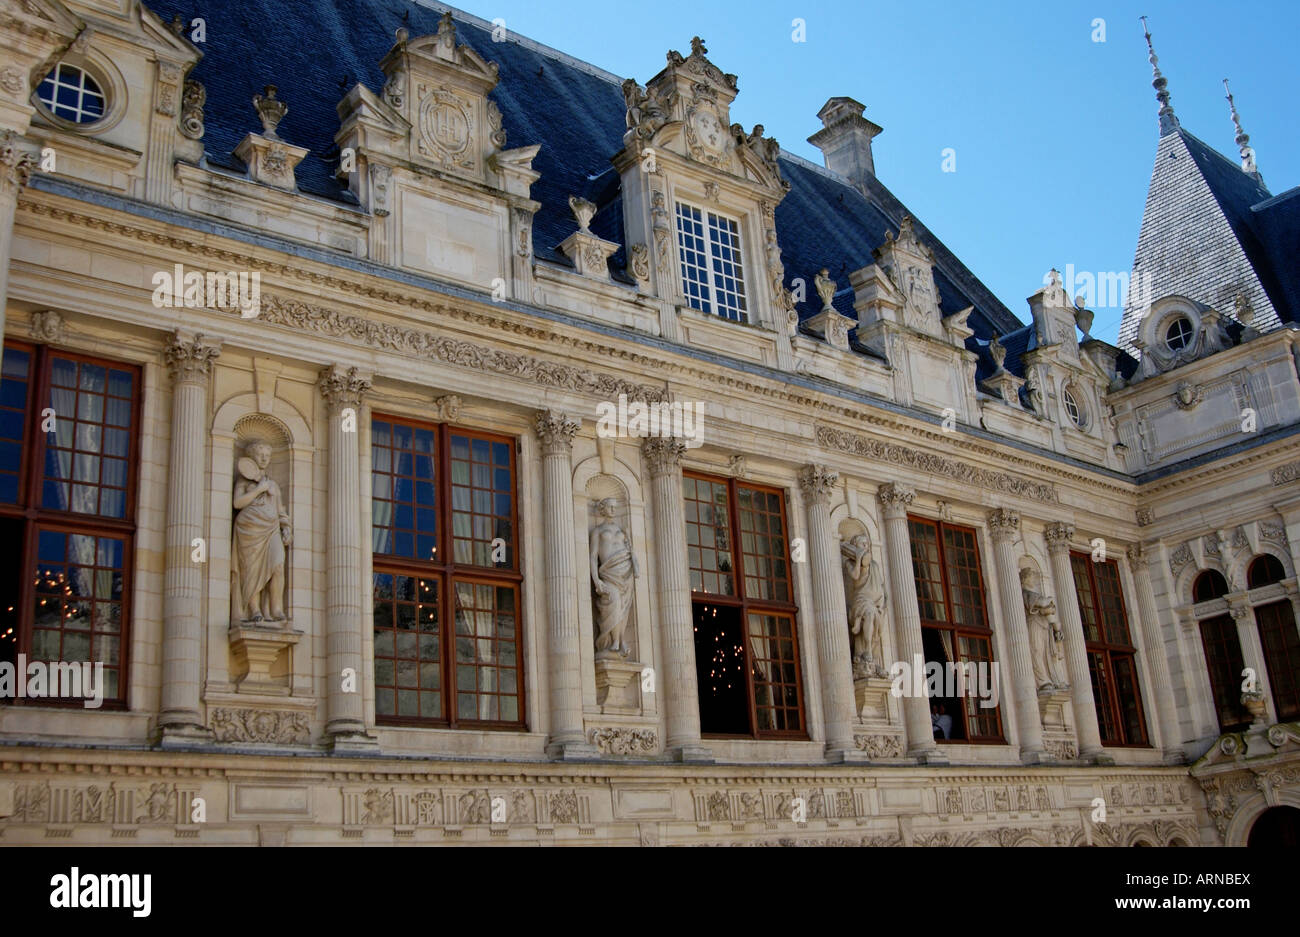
point(899, 287)
point(686, 110)
point(440, 88)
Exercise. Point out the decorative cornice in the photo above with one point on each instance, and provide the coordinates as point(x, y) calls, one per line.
point(190, 362)
point(412, 299)
point(817, 482)
point(1285, 474)
point(932, 464)
point(895, 499)
point(342, 388)
point(662, 455)
point(556, 431)
point(1004, 524)
point(389, 337)
point(1058, 536)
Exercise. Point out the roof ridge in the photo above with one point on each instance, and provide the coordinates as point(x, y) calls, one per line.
point(520, 39)
point(1228, 162)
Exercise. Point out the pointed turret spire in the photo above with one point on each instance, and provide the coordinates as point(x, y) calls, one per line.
point(1248, 165)
point(1168, 122)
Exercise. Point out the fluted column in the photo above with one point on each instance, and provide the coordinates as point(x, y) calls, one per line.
point(830, 613)
point(1157, 661)
point(663, 458)
point(1004, 527)
point(343, 392)
point(894, 502)
point(567, 740)
point(1083, 703)
point(16, 166)
point(190, 365)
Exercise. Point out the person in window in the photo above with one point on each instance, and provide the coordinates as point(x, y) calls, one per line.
point(940, 721)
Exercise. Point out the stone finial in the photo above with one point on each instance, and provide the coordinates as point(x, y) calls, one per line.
point(825, 287)
point(1242, 140)
point(271, 110)
point(1168, 122)
point(998, 352)
point(584, 211)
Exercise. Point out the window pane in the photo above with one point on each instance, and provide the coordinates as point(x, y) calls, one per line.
point(774, 673)
point(401, 454)
point(14, 380)
point(710, 562)
point(408, 661)
point(482, 502)
point(487, 660)
point(728, 274)
point(79, 435)
point(694, 257)
point(1281, 643)
point(1081, 565)
point(927, 571)
point(763, 544)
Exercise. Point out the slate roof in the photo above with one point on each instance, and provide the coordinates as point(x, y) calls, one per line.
point(1237, 194)
point(574, 110)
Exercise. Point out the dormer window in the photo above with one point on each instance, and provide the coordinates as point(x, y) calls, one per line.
point(1179, 334)
point(713, 277)
point(71, 94)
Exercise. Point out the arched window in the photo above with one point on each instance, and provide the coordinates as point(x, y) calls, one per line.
point(1264, 569)
point(1179, 334)
point(1209, 585)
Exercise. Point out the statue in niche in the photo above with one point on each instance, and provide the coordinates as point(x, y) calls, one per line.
point(1046, 642)
point(866, 594)
point(262, 531)
point(613, 577)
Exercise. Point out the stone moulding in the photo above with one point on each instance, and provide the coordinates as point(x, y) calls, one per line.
point(259, 725)
point(880, 746)
point(1285, 474)
point(277, 310)
point(929, 463)
point(354, 285)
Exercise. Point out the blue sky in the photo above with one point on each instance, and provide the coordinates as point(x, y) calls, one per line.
point(1054, 134)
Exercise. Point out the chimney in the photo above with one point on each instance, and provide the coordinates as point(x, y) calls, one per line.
point(845, 139)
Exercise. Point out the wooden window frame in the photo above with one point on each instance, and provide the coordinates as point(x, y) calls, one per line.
point(957, 630)
point(1110, 652)
point(1230, 692)
point(447, 573)
point(1276, 658)
point(746, 605)
point(28, 509)
point(712, 277)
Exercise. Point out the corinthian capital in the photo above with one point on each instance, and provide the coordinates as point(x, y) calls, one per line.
point(190, 362)
point(16, 163)
point(1059, 536)
point(342, 388)
point(1004, 523)
point(895, 499)
point(1138, 558)
point(817, 483)
point(662, 455)
point(556, 431)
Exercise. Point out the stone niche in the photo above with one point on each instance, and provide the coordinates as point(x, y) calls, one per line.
point(610, 549)
point(261, 633)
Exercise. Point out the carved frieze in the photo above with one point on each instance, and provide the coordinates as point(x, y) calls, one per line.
point(279, 311)
point(622, 740)
point(258, 725)
point(928, 463)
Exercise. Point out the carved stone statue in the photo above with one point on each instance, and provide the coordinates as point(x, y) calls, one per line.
point(1046, 642)
point(262, 531)
point(866, 594)
point(613, 574)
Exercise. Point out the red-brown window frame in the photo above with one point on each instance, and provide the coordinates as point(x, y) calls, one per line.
point(445, 574)
point(33, 516)
point(1110, 651)
point(1280, 615)
point(746, 605)
point(1228, 691)
point(956, 629)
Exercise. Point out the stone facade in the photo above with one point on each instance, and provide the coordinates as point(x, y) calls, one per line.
point(426, 295)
